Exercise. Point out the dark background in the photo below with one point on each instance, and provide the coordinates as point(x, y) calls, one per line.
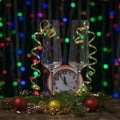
point(19, 19)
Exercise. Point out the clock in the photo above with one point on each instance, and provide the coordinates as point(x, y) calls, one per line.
point(64, 79)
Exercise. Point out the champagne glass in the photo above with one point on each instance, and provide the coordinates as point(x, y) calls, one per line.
point(51, 52)
point(78, 53)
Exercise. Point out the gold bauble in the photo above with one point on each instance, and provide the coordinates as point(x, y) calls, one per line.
point(54, 104)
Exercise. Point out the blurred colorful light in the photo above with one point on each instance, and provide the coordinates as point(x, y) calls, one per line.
point(67, 40)
point(92, 3)
point(44, 5)
point(35, 73)
point(15, 83)
point(40, 15)
point(92, 19)
point(28, 2)
point(65, 19)
point(19, 64)
point(99, 33)
point(36, 92)
point(105, 66)
point(100, 17)
point(22, 82)
point(1, 35)
point(1, 24)
point(20, 52)
point(115, 94)
point(22, 69)
point(105, 49)
point(73, 4)
point(105, 83)
point(19, 14)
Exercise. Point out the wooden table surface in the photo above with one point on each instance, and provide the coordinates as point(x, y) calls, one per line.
point(101, 115)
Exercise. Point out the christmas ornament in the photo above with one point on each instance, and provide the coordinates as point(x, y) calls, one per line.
point(61, 103)
point(54, 107)
point(19, 104)
point(92, 103)
point(54, 104)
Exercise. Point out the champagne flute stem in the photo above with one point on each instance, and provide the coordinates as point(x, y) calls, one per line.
point(51, 74)
point(78, 79)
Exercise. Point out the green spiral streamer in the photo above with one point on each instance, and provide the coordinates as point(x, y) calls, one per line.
point(50, 32)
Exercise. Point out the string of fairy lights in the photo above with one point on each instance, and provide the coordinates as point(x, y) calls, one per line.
point(20, 19)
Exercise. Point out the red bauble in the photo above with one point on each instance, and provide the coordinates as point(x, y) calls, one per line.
point(92, 103)
point(20, 104)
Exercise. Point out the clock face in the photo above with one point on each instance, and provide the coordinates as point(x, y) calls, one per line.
point(64, 78)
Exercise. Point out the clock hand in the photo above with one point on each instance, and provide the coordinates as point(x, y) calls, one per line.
point(64, 79)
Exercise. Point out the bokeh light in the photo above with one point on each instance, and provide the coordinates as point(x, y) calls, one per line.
point(22, 69)
point(44, 5)
point(35, 73)
point(92, 19)
point(73, 4)
point(36, 92)
point(92, 3)
point(28, 2)
point(99, 33)
point(40, 15)
point(15, 83)
point(1, 24)
point(23, 82)
point(100, 17)
point(116, 95)
point(105, 83)
point(105, 66)
point(19, 14)
point(17, 26)
point(19, 64)
point(65, 19)
point(1, 34)
point(67, 40)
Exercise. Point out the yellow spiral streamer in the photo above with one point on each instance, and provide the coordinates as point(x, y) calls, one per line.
point(80, 38)
point(48, 29)
point(33, 66)
point(90, 56)
point(50, 32)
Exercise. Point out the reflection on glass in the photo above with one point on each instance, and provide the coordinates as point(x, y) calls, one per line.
point(78, 53)
point(51, 52)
